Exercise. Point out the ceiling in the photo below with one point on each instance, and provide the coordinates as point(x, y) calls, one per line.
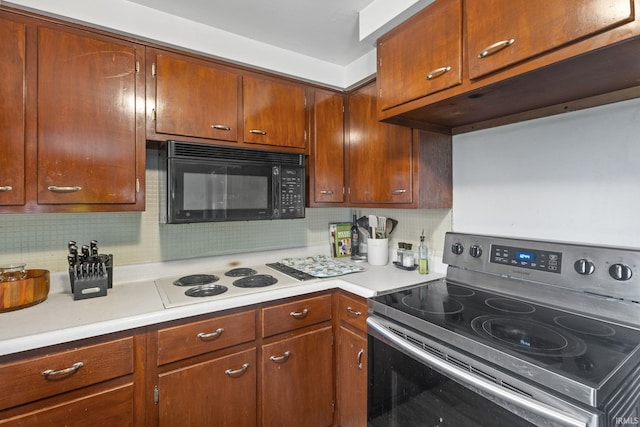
point(322, 29)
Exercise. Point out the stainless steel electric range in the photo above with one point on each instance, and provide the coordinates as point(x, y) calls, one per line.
point(520, 332)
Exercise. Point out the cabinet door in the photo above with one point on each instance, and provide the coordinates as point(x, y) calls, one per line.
point(89, 138)
point(12, 112)
point(422, 56)
point(216, 393)
point(504, 32)
point(297, 385)
point(328, 148)
point(196, 99)
point(274, 113)
point(351, 377)
point(380, 154)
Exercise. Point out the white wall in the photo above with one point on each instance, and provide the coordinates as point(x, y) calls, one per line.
point(571, 177)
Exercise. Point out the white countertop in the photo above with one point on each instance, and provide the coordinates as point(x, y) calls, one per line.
point(135, 302)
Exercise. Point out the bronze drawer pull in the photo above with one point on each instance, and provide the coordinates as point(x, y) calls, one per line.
point(279, 359)
point(359, 358)
point(437, 72)
point(211, 336)
point(353, 312)
point(57, 189)
point(50, 374)
point(258, 131)
point(6, 188)
point(399, 191)
point(496, 47)
point(221, 127)
point(237, 372)
point(299, 314)
point(326, 192)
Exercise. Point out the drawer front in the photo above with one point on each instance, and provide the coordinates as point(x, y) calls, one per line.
point(192, 339)
point(35, 378)
point(353, 310)
point(113, 407)
point(293, 315)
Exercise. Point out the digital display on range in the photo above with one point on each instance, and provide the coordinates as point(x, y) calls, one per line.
point(548, 261)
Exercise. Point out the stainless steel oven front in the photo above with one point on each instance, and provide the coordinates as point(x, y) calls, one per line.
point(515, 335)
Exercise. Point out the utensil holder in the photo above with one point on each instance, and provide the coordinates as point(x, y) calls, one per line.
point(378, 251)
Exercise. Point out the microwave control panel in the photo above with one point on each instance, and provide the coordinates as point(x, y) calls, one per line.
point(291, 192)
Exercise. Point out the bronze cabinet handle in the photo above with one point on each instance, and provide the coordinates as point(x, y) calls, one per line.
point(211, 336)
point(51, 374)
point(496, 47)
point(237, 372)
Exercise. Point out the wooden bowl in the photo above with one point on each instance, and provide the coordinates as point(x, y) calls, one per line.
point(31, 290)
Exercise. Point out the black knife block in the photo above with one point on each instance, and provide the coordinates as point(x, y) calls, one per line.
point(91, 287)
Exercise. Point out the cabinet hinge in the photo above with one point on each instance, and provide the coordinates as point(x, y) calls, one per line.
point(380, 62)
point(137, 185)
point(153, 114)
point(333, 406)
point(305, 101)
point(305, 135)
point(153, 69)
point(156, 394)
point(137, 67)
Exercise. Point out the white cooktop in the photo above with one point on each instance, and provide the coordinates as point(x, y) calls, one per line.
point(174, 296)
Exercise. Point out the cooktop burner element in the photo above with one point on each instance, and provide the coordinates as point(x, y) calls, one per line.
point(510, 305)
point(256, 281)
point(427, 305)
point(241, 272)
point(528, 336)
point(205, 291)
point(584, 325)
point(196, 280)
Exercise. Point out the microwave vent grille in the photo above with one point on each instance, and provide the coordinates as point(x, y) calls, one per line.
point(205, 151)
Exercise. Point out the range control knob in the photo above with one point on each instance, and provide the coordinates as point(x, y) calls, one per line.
point(584, 266)
point(475, 251)
point(620, 272)
point(457, 248)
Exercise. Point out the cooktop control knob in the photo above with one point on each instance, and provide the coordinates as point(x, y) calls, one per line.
point(457, 248)
point(475, 251)
point(584, 267)
point(620, 272)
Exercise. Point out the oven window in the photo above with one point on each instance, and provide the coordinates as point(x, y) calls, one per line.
point(405, 393)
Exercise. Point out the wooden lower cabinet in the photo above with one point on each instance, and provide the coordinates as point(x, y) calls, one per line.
point(220, 392)
point(351, 360)
point(297, 380)
point(351, 373)
point(93, 382)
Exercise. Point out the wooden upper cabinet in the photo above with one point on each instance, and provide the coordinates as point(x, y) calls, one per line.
point(503, 32)
point(90, 132)
point(274, 113)
point(12, 112)
point(380, 154)
point(328, 149)
point(423, 56)
point(194, 98)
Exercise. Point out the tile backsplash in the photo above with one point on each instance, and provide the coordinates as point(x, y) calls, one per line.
point(40, 240)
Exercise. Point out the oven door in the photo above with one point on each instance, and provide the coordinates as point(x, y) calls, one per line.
point(204, 190)
point(415, 381)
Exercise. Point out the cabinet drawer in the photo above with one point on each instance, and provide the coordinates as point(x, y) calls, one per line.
point(294, 315)
point(195, 338)
point(113, 407)
point(353, 311)
point(39, 377)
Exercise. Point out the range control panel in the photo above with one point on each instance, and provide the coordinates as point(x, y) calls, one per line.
point(549, 261)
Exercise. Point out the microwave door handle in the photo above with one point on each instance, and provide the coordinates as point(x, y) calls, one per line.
point(464, 377)
point(275, 176)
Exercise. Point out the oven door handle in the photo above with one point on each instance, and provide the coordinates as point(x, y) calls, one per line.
point(466, 378)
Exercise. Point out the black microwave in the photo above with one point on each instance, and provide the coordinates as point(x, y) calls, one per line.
point(206, 183)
